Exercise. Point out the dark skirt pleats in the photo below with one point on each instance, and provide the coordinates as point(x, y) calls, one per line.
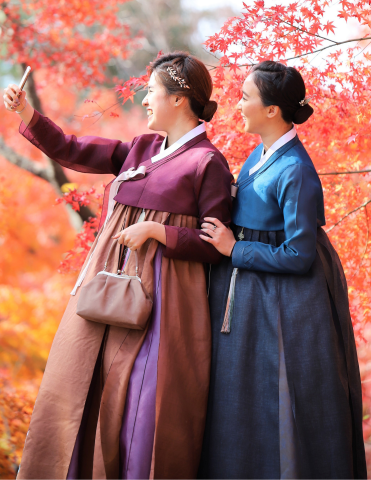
point(242, 438)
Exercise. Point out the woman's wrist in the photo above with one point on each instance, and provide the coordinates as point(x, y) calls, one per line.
point(157, 231)
point(22, 107)
point(26, 113)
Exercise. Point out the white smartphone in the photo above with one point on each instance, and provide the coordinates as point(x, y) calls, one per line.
point(22, 83)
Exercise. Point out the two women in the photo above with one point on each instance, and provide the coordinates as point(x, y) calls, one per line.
point(285, 394)
point(120, 403)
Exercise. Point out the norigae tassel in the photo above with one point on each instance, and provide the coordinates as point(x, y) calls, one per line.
point(226, 327)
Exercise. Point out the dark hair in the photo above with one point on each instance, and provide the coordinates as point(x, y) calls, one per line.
point(282, 86)
point(195, 75)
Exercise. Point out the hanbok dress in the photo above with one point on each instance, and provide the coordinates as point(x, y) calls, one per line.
point(121, 403)
point(285, 392)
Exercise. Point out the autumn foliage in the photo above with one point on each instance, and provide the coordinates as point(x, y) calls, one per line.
point(337, 136)
point(74, 40)
point(70, 43)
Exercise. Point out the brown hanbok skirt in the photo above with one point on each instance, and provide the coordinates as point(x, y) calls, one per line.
point(182, 371)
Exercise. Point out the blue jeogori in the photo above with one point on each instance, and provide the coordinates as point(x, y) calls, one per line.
point(285, 194)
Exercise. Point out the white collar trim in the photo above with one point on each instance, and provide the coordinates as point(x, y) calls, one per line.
point(164, 152)
point(278, 144)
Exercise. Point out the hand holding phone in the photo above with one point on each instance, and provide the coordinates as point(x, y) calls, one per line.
point(14, 97)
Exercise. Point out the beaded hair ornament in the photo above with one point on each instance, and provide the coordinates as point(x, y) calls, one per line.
point(173, 75)
point(304, 101)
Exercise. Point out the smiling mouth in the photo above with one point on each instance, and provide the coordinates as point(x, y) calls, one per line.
point(149, 112)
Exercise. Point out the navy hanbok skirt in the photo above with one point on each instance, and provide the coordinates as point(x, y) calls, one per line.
point(285, 394)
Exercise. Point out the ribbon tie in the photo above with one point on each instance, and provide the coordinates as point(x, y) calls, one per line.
point(130, 174)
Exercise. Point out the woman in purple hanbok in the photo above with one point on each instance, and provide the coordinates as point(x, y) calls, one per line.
point(120, 403)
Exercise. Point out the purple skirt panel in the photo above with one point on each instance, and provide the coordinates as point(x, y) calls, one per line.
point(138, 426)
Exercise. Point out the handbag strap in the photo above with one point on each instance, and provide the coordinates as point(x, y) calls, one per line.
point(119, 271)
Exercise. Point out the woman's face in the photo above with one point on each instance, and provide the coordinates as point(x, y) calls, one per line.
point(159, 105)
point(253, 112)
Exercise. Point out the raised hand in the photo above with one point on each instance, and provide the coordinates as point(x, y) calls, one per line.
point(14, 99)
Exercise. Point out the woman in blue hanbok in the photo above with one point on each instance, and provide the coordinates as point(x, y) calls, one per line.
point(285, 394)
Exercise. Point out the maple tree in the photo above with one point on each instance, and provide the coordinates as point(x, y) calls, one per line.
point(337, 72)
point(74, 41)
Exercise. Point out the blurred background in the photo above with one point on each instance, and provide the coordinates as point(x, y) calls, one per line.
point(79, 52)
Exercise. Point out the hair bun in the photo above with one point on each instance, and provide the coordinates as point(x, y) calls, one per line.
point(302, 114)
point(209, 110)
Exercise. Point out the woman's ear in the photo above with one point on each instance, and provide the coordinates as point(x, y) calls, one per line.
point(179, 101)
point(273, 111)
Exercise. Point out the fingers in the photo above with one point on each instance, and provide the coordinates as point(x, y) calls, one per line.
point(215, 221)
point(208, 225)
point(120, 236)
point(123, 239)
point(12, 97)
point(207, 239)
point(209, 231)
point(9, 103)
point(12, 91)
point(15, 89)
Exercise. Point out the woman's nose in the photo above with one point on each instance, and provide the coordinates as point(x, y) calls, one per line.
point(145, 101)
point(239, 106)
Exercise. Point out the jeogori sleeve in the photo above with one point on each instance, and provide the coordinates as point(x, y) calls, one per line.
point(88, 154)
point(212, 189)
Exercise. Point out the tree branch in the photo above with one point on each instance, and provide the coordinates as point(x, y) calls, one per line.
point(308, 33)
point(49, 175)
point(22, 162)
point(363, 49)
point(329, 46)
point(347, 215)
point(303, 54)
point(350, 172)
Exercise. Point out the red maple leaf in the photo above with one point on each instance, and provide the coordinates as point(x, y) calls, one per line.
point(329, 27)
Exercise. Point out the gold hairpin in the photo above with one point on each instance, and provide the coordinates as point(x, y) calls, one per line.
point(305, 101)
point(173, 75)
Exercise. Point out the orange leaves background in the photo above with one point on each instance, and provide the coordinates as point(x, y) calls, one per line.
point(70, 45)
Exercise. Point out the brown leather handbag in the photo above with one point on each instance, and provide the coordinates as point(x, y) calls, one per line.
point(115, 299)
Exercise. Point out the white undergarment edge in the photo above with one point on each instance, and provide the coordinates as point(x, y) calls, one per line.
point(278, 144)
point(164, 152)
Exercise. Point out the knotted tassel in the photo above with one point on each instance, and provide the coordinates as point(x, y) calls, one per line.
point(226, 327)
